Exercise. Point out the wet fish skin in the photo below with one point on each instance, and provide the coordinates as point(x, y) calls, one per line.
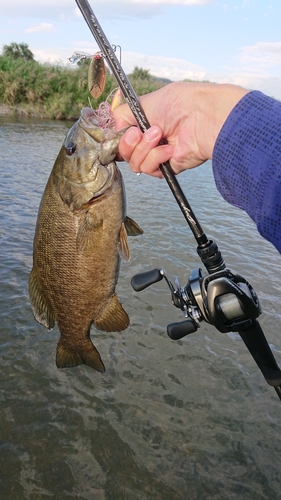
point(80, 234)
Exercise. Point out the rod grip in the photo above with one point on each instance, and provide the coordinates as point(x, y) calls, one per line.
point(256, 342)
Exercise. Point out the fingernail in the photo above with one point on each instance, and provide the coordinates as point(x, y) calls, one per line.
point(152, 133)
point(131, 136)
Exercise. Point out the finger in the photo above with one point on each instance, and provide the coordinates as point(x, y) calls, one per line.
point(128, 142)
point(150, 139)
point(155, 158)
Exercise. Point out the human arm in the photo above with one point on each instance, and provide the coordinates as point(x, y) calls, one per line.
point(239, 130)
point(188, 115)
point(247, 162)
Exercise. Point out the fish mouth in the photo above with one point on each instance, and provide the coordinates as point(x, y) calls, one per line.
point(97, 124)
point(98, 177)
point(88, 118)
point(103, 177)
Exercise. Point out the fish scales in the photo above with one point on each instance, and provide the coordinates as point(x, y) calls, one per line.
point(77, 243)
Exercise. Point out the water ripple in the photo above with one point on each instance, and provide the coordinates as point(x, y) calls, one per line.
point(168, 420)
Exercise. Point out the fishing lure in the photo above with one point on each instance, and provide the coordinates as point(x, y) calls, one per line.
point(96, 75)
point(97, 70)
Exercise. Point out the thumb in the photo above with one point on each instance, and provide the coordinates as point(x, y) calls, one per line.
point(123, 116)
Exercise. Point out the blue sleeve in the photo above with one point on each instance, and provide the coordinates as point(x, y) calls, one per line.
point(247, 162)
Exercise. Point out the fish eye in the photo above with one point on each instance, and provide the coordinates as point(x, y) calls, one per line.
point(70, 148)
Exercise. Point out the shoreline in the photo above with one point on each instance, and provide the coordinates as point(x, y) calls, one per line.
point(6, 110)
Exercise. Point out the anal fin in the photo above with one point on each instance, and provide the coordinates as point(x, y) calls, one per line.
point(113, 318)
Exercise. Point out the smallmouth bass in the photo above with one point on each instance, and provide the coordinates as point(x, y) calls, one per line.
point(81, 232)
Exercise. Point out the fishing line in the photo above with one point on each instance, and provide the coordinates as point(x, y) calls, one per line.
point(223, 299)
point(133, 102)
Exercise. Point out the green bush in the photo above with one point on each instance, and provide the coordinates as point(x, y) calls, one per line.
point(55, 91)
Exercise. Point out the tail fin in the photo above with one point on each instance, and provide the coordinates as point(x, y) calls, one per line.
point(66, 358)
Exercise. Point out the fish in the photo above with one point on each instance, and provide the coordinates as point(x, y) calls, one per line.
point(96, 76)
point(80, 236)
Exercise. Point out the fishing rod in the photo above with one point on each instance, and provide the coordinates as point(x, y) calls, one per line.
point(222, 298)
point(132, 99)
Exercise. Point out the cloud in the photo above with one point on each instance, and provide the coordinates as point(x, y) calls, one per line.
point(173, 68)
point(268, 85)
point(250, 77)
point(178, 69)
point(34, 4)
point(51, 56)
point(143, 8)
point(164, 67)
point(51, 9)
point(31, 8)
point(43, 27)
point(265, 54)
point(170, 2)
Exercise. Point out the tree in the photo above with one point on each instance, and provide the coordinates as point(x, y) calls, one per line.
point(18, 51)
point(141, 74)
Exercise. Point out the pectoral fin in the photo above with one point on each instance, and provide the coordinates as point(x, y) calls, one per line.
point(128, 228)
point(113, 318)
point(132, 228)
point(89, 234)
point(41, 309)
point(123, 245)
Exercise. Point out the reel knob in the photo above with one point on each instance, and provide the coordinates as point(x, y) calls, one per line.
point(143, 280)
point(179, 330)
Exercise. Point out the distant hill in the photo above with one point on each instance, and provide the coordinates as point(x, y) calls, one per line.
point(159, 79)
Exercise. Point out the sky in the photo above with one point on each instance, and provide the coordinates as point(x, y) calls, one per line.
point(231, 41)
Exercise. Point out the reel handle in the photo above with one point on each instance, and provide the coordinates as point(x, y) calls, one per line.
point(143, 280)
point(177, 331)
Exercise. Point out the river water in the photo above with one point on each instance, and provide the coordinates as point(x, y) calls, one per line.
point(169, 420)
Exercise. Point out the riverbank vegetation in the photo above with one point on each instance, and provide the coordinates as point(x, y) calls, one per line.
point(55, 91)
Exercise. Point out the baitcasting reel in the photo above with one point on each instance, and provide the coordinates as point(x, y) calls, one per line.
point(223, 299)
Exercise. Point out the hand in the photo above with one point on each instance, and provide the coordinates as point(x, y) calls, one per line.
point(188, 115)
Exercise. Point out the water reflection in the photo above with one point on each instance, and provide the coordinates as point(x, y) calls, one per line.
point(168, 420)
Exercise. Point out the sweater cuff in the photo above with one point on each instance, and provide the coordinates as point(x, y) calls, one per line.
point(247, 162)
